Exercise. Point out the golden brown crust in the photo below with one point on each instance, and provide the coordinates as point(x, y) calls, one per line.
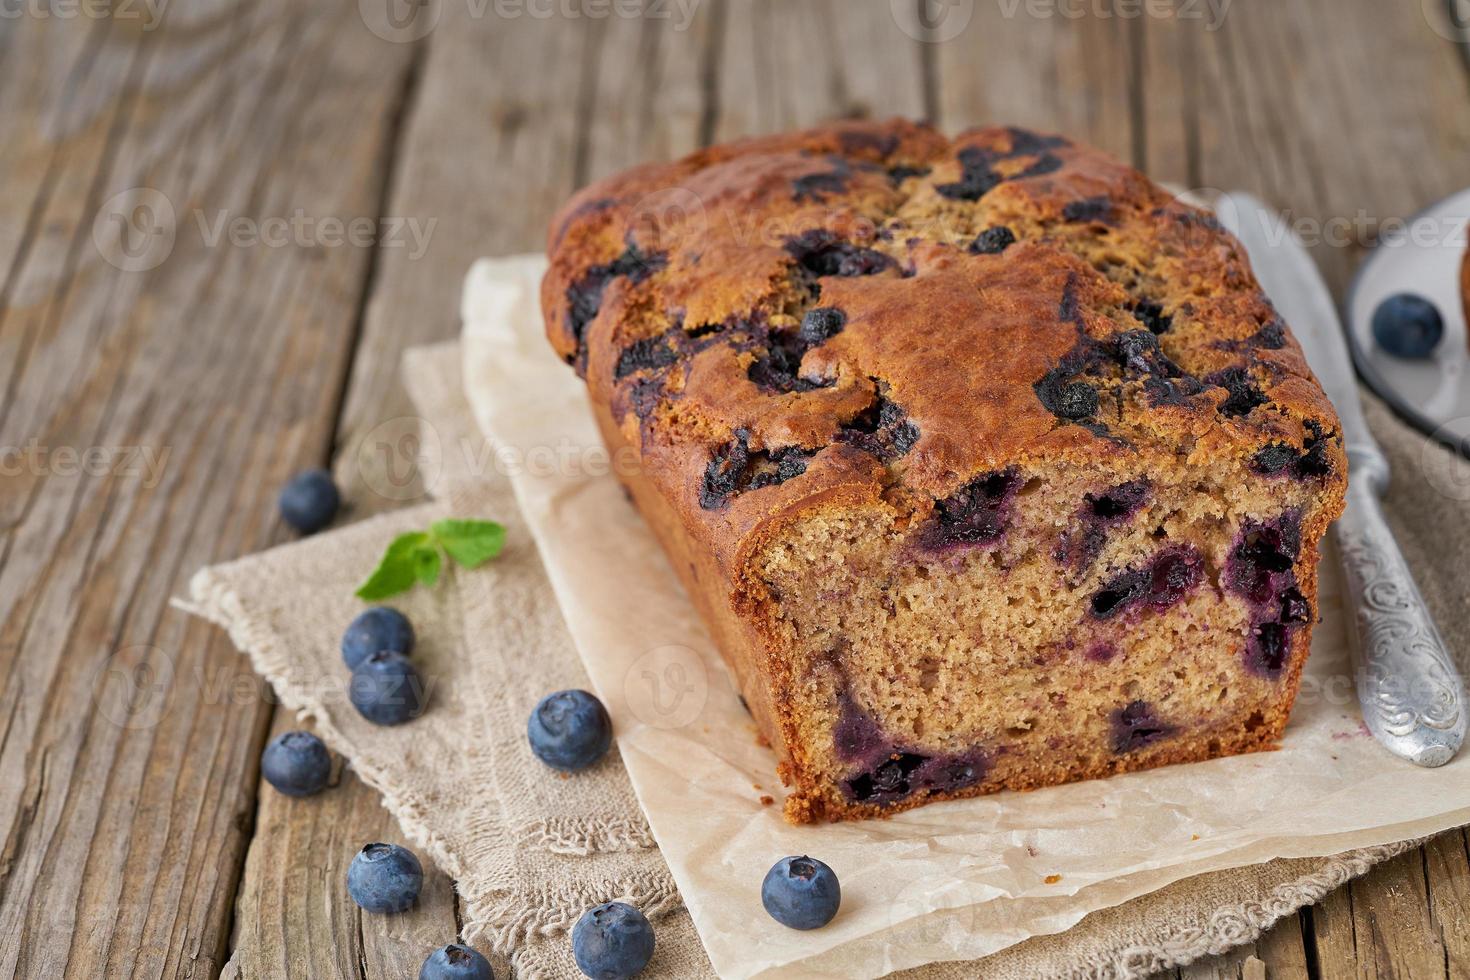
point(700, 253)
point(819, 806)
point(1001, 298)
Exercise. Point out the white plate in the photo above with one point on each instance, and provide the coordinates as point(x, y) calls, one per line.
point(1423, 258)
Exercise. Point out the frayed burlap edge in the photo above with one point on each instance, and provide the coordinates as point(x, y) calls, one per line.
point(1232, 926)
point(211, 599)
point(1098, 947)
point(509, 916)
point(503, 918)
point(1221, 930)
point(564, 835)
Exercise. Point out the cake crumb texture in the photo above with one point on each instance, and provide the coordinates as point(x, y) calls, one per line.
point(986, 461)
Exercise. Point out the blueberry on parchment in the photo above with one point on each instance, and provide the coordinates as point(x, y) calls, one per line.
point(801, 892)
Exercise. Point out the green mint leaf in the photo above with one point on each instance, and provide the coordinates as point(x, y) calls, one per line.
point(470, 543)
point(415, 557)
point(426, 564)
point(398, 569)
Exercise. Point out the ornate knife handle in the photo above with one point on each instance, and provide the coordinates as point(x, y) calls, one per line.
point(1412, 697)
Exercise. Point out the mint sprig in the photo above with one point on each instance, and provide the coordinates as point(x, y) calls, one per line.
point(416, 557)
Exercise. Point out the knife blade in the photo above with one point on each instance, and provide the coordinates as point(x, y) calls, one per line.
point(1411, 693)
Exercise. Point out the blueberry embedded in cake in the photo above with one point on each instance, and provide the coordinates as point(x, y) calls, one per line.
point(986, 461)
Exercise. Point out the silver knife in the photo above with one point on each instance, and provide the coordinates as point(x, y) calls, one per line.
point(1412, 696)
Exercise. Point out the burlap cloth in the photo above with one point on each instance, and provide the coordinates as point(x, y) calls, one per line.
point(529, 852)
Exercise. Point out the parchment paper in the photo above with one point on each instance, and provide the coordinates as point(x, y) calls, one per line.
point(948, 881)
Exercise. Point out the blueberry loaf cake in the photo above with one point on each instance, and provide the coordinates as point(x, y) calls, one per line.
point(986, 461)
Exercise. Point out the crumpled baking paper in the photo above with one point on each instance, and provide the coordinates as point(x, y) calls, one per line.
point(948, 881)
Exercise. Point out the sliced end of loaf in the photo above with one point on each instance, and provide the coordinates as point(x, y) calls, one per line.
point(1046, 623)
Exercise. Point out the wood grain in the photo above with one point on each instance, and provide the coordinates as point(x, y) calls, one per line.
point(629, 100)
point(784, 65)
point(294, 917)
point(447, 178)
point(138, 840)
point(129, 734)
point(1295, 102)
point(1283, 100)
point(1051, 73)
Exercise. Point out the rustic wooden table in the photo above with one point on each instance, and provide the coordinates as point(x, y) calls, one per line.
point(224, 219)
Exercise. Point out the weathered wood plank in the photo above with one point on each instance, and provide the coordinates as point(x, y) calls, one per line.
point(1279, 954)
point(294, 917)
point(1381, 926)
point(1009, 67)
point(129, 734)
point(489, 152)
point(1447, 877)
point(1229, 966)
point(476, 190)
point(784, 65)
point(1276, 100)
point(647, 98)
point(1283, 950)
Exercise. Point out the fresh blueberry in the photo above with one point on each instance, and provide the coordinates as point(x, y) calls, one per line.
point(386, 689)
point(612, 941)
point(297, 764)
point(993, 241)
point(385, 878)
point(801, 892)
point(569, 730)
point(380, 628)
point(821, 324)
point(456, 962)
point(1077, 401)
point(309, 501)
point(1407, 325)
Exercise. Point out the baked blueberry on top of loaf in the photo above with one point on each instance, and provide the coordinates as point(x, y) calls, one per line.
point(986, 461)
